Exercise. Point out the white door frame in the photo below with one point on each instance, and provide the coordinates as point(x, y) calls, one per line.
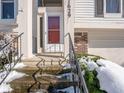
point(51, 47)
point(39, 50)
point(50, 12)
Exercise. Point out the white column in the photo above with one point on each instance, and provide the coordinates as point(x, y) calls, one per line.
point(68, 25)
point(24, 21)
point(29, 27)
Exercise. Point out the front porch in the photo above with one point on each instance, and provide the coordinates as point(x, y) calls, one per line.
point(47, 74)
point(49, 37)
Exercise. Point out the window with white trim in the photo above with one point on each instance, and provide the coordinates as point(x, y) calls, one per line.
point(103, 7)
point(7, 9)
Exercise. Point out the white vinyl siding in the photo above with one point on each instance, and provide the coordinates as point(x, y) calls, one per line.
point(84, 8)
point(108, 44)
point(85, 15)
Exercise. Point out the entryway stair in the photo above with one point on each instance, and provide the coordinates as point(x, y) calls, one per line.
point(43, 76)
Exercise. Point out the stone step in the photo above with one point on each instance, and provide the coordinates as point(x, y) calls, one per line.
point(22, 85)
point(45, 76)
point(28, 70)
point(53, 55)
point(45, 63)
point(54, 69)
point(46, 58)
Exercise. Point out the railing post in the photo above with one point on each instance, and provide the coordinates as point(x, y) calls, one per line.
point(20, 46)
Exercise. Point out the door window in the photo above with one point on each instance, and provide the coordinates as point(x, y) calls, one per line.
point(54, 30)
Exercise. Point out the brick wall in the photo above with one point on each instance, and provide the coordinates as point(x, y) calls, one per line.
point(81, 40)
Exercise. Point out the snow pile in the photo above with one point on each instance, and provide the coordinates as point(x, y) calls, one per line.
point(5, 88)
point(67, 76)
point(67, 90)
point(110, 75)
point(14, 75)
point(41, 91)
point(91, 65)
point(66, 66)
point(19, 66)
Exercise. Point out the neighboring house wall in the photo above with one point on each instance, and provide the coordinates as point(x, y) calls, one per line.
point(85, 16)
point(105, 33)
point(108, 44)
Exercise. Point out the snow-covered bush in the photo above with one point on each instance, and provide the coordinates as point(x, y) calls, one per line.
point(6, 52)
point(102, 76)
point(89, 65)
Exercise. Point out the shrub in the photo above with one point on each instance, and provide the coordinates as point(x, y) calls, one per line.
point(92, 82)
point(93, 57)
point(91, 76)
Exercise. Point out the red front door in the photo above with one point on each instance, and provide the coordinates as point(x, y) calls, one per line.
point(54, 30)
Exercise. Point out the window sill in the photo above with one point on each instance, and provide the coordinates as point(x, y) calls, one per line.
point(8, 21)
point(118, 15)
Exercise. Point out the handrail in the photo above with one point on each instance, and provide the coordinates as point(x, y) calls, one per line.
point(10, 56)
point(11, 41)
point(75, 65)
point(34, 77)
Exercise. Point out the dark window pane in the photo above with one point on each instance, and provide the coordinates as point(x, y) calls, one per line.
point(113, 6)
point(39, 3)
point(52, 3)
point(54, 30)
point(53, 22)
point(8, 10)
point(99, 7)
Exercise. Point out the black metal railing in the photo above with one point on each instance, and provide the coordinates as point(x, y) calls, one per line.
point(76, 69)
point(37, 83)
point(10, 55)
point(55, 48)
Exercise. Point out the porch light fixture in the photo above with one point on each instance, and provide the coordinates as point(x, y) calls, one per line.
point(69, 8)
